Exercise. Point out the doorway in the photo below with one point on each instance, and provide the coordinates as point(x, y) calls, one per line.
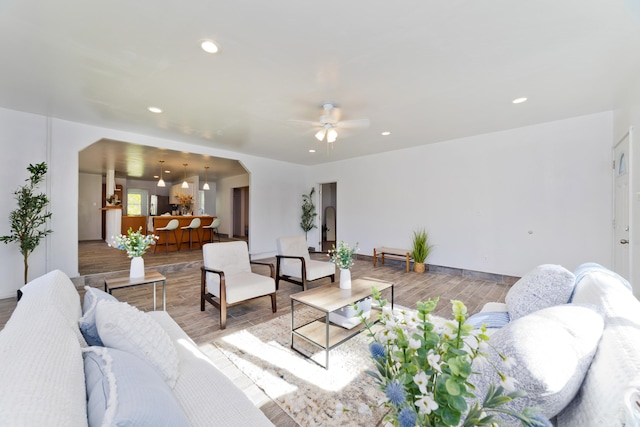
point(241, 213)
point(621, 204)
point(328, 212)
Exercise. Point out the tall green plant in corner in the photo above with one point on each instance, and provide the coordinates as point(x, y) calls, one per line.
point(308, 212)
point(28, 220)
point(420, 249)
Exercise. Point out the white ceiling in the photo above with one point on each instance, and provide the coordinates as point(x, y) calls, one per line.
point(426, 71)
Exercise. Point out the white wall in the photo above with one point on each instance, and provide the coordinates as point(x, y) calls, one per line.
point(89, 204)
point(479, 197)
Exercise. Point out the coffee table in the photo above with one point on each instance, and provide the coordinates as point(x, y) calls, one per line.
point(320, 332)
point(150, 276)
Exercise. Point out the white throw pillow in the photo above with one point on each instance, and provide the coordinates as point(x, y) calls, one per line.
point(544, 286)
point(126, 328)
point(552, 350)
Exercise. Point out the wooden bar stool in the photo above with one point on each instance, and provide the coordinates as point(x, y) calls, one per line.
point(194, 225)
point(214, 229)
point(171, 226)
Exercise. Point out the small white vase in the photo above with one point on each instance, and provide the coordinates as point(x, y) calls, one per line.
point(137, 268)
point(345, 278)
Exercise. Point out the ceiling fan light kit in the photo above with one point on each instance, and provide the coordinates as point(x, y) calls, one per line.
point(329, 124)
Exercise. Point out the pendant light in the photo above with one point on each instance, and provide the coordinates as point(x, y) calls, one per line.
point(161, 181)
point(206, 180)
point(185, 184)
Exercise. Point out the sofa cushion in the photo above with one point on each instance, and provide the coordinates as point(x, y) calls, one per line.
point(126, 328)
point(610, 394)
point(551, 350)
point(123, 390)
point(204, 392)
point(41, 374)
point(87, 322)
point(544, 286)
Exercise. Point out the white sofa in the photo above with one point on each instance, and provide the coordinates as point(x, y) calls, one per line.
point(43, 357)
point(576, 339)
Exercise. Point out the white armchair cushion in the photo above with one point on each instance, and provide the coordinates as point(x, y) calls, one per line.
point(243, 286)
point(297, 246)
point(241, 283)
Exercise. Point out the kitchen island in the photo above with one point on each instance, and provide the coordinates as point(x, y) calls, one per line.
point(155, 222)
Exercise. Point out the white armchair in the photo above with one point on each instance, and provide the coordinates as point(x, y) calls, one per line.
point(294, 265)
point(227, 279)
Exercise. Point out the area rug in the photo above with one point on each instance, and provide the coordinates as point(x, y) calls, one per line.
point(343, 395)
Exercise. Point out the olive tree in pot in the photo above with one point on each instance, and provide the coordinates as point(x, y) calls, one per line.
point(28, 219)
point(421, 249)
point(307, 221)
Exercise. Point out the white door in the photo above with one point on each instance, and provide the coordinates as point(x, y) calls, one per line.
point(621, 196)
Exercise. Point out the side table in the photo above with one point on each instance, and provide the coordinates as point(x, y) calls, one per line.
point(150, 276)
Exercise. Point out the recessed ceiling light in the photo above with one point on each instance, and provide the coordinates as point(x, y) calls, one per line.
point(155, 177)
point(155, 110)
point(209, 46)
point(312, 151)
point(167, 171)
point(519, 100)
point(385, 133)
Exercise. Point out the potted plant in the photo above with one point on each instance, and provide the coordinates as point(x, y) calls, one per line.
point(307, 221)
point(28, 220)
point(342, 257)
point(135, 244)
point(421, 249)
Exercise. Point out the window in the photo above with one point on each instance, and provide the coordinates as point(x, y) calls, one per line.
point(136, 202)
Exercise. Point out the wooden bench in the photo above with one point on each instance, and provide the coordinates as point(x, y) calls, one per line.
point(394, 253)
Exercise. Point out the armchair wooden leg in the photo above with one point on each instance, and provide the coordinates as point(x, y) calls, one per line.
point(333, 278)
point(273, 303)
point(223, 315)
point(203, 278)
point(277, 275)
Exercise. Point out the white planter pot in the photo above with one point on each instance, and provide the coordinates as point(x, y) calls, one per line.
point(345, 278)
point(137, 268)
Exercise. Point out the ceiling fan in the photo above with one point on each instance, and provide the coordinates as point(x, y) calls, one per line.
point(329, 124)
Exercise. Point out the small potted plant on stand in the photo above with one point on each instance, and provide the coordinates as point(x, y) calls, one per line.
point(421, 249)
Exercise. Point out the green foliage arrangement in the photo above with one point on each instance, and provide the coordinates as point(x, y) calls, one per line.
point(342, 256)
point(308, 212)
point(421, 246)
point(28, 220)
point(135, 243)
point(425, 370)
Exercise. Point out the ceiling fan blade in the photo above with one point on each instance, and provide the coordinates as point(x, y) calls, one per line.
point(352, 124)
point(304, 122)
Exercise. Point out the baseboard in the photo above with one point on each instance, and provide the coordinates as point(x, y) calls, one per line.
point(452, 271)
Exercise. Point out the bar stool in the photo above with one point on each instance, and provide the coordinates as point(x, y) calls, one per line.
point(214, 228)
point(171, 226)
point(194, 225)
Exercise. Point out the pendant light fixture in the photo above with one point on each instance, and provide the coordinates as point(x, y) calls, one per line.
point(206, 180)
point(185, 184)
point(161, 181)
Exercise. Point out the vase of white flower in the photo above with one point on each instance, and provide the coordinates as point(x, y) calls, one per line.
point(345, 278)
point(137, 267)
point(342, 257)
point(135, 244)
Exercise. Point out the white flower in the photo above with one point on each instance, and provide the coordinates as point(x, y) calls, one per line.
point(480, 362)
point(509, 383)
point(426, 404)
point(508, 362)
point(340, 409)
point(434, 360)
point(364, 409)
point(422, 380)
point(483, 347)
point(414, 344)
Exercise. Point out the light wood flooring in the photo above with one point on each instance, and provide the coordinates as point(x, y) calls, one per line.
point(182, 270)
